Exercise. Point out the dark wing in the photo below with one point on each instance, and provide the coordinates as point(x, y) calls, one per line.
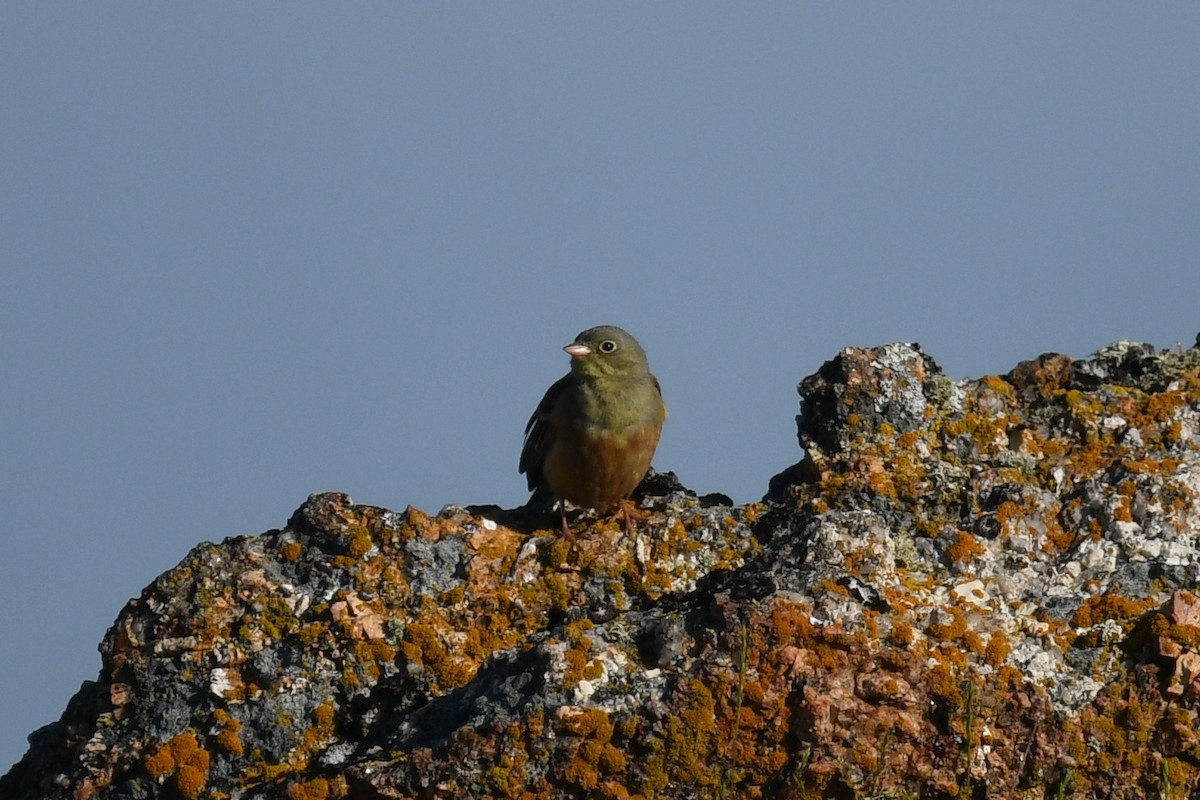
point(539, 434)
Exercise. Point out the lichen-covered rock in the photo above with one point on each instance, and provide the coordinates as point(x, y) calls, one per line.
point(973, 589)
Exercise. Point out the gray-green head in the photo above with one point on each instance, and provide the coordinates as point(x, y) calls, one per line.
point(607, 351)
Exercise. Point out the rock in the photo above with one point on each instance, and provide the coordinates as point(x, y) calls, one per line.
point(972, 589)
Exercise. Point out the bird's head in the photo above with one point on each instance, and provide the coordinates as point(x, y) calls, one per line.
point(606, 351)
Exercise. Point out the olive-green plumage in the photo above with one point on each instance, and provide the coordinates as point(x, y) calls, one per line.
point(592, 437)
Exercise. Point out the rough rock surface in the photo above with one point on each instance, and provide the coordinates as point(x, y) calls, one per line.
point(973, 589)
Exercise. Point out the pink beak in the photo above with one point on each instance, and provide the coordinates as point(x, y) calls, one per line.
point(577, 350)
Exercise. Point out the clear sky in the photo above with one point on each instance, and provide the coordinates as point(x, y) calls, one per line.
point(250, 251)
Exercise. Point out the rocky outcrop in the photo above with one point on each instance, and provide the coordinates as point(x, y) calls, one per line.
point(972, 589)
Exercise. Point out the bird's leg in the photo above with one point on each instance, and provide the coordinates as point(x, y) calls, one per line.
point(568, 534)
point(625, 509)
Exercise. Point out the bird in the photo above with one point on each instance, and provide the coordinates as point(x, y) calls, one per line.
point(593, 435)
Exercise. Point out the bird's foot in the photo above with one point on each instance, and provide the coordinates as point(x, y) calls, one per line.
point(627, 509)
point(569, 535)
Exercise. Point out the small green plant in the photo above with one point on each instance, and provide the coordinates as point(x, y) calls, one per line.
point(1166, 789)
point(798, 776)
point(737, 710)
point(880, 762)
point(1064, 785)
point(968, 782)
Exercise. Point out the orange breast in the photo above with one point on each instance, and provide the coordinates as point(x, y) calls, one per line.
point(598, 470)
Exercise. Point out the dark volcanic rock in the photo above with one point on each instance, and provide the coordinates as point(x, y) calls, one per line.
point(974, 589)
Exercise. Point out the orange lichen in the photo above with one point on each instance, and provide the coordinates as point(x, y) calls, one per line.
point(315, 789)
point(370, 654)
point(183, 756)
point(1186, 635)
point(323, 717)
point(576, 661)
point(228, 737)
point(944, 688)
point(594, 755)
point(1098, 609)
point(360, 542)
point(191, 780)
point(901, 634)
point(997, 650)
point(229, 741)
point(160, 763)
point(685, 748)
point(1006, 512)
point(998, 385)
point(964, 548)
point(950, 629)
point(423, 646)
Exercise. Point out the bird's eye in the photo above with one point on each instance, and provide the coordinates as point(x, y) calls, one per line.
point(608, 346)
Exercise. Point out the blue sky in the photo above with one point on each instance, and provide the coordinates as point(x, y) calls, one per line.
point(256, 250)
